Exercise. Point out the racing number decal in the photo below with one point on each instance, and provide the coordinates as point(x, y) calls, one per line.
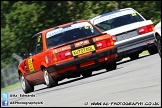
point(39, 38)
point(87, 27)
point(31, 68)
point(134, 14)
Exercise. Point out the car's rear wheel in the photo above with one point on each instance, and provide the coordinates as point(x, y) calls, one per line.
point(86, 73)
point(153, 50)
point(27, 88)
point(111, 66)
point(50, 82)
point(159, 45)
point(134, 56)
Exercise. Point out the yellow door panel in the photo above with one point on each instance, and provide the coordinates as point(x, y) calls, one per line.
point(30, 63)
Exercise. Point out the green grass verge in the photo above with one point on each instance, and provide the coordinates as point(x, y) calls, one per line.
point(141, 54)
point(18, 84)
point(10, 87)
point(144, 53)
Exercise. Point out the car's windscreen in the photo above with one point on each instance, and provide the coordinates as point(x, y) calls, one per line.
point(119, 21)
point(70, 33)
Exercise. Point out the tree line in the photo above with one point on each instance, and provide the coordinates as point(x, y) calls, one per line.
point(22, 19)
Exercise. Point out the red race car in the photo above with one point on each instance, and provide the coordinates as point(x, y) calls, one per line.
point(66, 51)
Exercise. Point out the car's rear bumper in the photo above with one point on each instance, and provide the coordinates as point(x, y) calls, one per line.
point(135, 42)
point(76, 62)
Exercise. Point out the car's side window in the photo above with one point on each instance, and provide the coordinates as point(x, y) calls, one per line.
point(39, 47)
point(32, 47)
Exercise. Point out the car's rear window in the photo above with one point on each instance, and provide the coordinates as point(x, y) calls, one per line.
point(119, 21)
point(70, 33)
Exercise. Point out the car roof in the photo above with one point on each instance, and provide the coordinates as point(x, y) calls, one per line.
point(115, 11)
point(60, 26)
point(70, 23)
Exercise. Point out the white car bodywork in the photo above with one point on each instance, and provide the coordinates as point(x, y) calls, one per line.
point(128, 42)
point(157, 29)
point(157, 34)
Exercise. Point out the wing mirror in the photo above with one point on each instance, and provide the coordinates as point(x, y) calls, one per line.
point(23, 55)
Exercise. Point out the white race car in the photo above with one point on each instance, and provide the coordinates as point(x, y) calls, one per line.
point(157, 34)
point(132, 31)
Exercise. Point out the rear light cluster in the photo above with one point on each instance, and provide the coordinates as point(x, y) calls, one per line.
point(145, 29)
point(113, 38)
point(104, 43)
point(63, 55)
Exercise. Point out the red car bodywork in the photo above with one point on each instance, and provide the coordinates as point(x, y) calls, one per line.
point(65, 60)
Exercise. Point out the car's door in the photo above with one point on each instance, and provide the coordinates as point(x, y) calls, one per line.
point(35, 48)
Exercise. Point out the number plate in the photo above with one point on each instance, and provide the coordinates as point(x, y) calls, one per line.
point(83, 50)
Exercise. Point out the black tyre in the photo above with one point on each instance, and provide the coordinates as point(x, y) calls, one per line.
point(27, 88)
point(50, 82)
point(119, 57)
point(86, 74)
point(153, 50)
point(134, 56)
point(159, 45)
point(111, 66)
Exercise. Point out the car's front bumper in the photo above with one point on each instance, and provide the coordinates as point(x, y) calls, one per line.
point(76, 62)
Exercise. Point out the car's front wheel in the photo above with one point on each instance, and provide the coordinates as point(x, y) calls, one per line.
point(50, 82)
point(27, 88)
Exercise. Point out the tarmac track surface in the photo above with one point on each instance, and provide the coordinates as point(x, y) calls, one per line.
point(134, 83)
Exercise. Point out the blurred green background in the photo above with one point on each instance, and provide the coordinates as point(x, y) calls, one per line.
point(22, 19)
